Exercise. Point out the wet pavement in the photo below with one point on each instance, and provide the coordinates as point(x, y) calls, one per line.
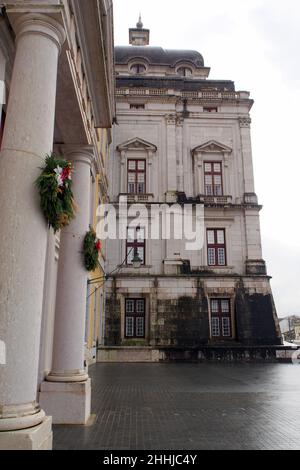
point(190, 406)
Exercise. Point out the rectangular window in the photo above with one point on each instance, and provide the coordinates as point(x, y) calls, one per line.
point(137, 106)
point(135, 311)
point(135, 244)
point(221, 327)
point(136, 178)
point(213, 180)
point(216, 247)
point(210, 110)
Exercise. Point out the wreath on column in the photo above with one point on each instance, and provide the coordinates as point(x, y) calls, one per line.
point(91, 249)
point(55, 189)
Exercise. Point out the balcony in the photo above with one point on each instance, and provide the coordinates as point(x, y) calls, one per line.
point(250, 198)
point(216, 200)
point(198, 95)
point(137, 198)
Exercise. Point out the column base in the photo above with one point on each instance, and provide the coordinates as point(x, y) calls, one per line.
point(36, 438)
point(67, 403)
point(70, 376)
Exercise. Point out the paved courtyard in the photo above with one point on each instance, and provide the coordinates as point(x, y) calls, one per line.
point(190, 406)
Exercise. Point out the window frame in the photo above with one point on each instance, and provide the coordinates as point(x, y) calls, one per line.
point(216, 246)
point(137, 106)
point(185, 68)
point(137, 65)
point(136, 172)
point(221, 315)
point(135, 315)
point(213, 175)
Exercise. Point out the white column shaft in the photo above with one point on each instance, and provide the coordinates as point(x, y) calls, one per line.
point(28, 137)
point(68, 348)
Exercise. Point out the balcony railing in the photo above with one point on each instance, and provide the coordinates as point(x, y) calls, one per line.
point(137, 198)
point(200, 95)
point(216, 200)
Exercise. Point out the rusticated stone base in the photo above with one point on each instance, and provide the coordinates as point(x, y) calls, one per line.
point(178, 313)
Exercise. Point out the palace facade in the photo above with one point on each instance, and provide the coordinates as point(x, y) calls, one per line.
point(184, 139)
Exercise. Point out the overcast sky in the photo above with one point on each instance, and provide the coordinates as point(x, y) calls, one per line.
point(256, 44)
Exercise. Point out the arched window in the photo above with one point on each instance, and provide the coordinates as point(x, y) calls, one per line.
point(138, 69)
point(185, 71)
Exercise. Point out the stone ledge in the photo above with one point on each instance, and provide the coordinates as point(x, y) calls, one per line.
point(213, 353)
point(127, 354)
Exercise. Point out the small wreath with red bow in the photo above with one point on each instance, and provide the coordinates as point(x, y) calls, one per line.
point(91, 250)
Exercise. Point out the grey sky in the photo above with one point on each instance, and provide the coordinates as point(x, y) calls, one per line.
point(256, 44)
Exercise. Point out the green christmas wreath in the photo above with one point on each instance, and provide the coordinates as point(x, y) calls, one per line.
point(55, 189)
point(91, 249)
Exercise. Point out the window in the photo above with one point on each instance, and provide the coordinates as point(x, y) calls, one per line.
point(210, 110)
point(136, 176)
point(221, 326)
point(135, 244)
point(185, 72)
point(137, 106)
point(216, 247)
point(135, 318)
point(213, 180)
point(138, 69)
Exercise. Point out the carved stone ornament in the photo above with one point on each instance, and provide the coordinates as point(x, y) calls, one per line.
point(245, 122)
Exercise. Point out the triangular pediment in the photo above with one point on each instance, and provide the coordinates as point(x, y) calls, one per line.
point(137, 144)
point(212, 146)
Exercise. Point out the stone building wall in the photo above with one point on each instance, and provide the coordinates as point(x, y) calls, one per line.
point(177, 311)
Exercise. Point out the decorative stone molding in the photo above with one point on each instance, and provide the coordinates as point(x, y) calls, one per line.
point(212, 146)
point(245, 122)
point(132, 149)
point(171, 119)
point(179, 120)
point(135, 145)
point(208, 149)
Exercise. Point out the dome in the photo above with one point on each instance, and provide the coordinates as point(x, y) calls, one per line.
point(157, 56)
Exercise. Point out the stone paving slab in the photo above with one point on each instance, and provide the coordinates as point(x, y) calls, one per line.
point(190, 406)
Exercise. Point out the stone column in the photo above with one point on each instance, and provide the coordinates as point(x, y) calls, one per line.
point(254, 262)
point(28, 137)
point(66, 394)
point(179, 153)
point(150, 189)
point(171, 158)
point(123, 175)
point(245, 124)
point(199, 179)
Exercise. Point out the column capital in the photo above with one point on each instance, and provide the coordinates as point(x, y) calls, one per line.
point(39, 24)
point(245, 122)
point(79, 153)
